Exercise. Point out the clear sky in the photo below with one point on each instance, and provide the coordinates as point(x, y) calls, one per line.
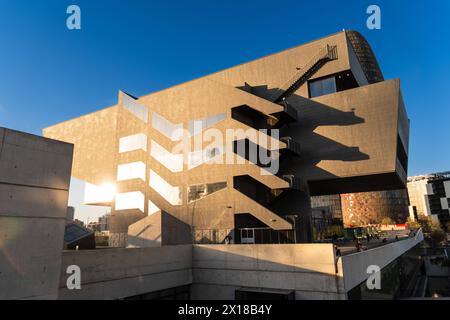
point(49, 74)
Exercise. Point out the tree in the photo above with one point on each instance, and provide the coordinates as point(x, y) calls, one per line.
point(437, 235)
point(433, 229)
point(425, 223)
point(415, 225)
point(387, 220)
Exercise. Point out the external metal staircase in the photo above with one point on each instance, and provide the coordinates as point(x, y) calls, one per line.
point(292, 146)
point(257, 196)
point(325, 55)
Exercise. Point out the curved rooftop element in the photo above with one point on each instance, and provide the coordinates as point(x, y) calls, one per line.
point(365, 56)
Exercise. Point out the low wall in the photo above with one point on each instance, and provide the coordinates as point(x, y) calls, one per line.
point(120, 273)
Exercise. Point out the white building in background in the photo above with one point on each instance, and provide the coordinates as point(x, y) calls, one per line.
point(429, 195)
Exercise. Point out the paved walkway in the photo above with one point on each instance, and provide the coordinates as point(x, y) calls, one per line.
point(349, 246)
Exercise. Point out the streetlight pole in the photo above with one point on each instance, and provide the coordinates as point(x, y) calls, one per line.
point(192, 217)
point(294, 219)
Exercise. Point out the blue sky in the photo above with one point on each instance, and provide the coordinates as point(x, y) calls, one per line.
point(49, 74)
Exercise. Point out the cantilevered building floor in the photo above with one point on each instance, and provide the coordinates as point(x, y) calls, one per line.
point(341, 128)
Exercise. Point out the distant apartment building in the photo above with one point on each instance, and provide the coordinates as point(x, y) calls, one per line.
point(364, 208)
point(94, 226)
point(104, 222)
point(429, 196)
point(360, 209)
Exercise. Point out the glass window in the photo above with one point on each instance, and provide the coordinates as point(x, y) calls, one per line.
point(173, 162)
point(134, 170)
point(215, 119)
point(152, 208)
point(135, 108)
point(130, 200)
point(195, 159)
point(95, 194)
point(172, 131)
point(322, 86)
point(171, 194)
point(197, 126)
point(196, 192)
point(134, 142)
point(199, 157)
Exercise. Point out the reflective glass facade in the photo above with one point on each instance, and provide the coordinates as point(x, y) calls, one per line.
point(133, 142)
point(135, 108)
point(130, 200)
point(172, 194)
point(172, 131)
point(197, 126)
point(173, 162)
point(134, 170)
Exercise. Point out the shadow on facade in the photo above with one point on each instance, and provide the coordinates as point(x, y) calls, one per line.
point(314, 147)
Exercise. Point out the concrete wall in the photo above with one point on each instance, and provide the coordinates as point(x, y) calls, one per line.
point(34, 183)
point(308, 269)
point(354, 266)
point(146, 232)
point(364, 118)
point(120, 273)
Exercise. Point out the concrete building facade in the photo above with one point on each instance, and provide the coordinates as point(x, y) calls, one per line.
point(332, 125)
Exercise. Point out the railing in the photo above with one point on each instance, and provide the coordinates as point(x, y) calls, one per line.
point(292, 145)
point(243, 236)
point(265, 236)
point(290, 111)
point(244, 203)
point(212, 236)
point(294, 182)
